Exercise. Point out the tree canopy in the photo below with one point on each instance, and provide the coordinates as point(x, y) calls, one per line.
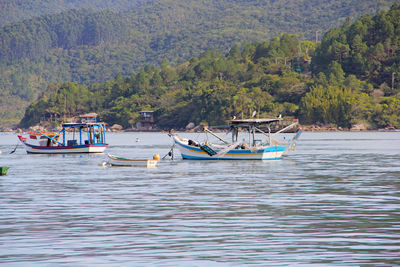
point(270, 77)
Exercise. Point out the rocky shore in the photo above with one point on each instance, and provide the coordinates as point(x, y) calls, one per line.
point(191, 127)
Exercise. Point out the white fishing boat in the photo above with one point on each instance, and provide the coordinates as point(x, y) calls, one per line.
point(250, 149)
point(121, 161)
point(88, 136)
point(389, 129)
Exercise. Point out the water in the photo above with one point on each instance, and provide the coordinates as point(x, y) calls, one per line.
point(334, 201)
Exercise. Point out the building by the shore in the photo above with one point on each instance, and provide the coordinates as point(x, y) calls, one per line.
point(146, 122)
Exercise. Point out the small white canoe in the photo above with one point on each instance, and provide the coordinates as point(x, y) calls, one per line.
point(120, 161)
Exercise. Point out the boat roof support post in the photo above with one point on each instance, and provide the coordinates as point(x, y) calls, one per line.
point(269, 134)
point(104, 132)
point(235, 133)
point(249, 135)
point(88, 133)
point(63, 130)
point(94, 134)
point(80, 135)
point(96, 137)
point(254, 135)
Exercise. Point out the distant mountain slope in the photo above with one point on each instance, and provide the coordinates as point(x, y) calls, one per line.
point(86, 46)
point(19, 10)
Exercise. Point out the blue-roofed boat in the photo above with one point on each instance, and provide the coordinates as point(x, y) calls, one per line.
point(250, 149)
point(87, 136)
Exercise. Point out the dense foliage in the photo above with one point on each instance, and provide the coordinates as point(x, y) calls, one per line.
point(264, 77)
point(210, 88)
point(34, 38)
point(89, 46)
point(368, 48)
point(18, 10)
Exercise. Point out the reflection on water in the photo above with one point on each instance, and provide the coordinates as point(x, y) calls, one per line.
point(334, 201)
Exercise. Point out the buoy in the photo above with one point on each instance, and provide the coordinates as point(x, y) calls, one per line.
point(3, 170)
point(104, 164)
point(156, 157)
point(137, 139)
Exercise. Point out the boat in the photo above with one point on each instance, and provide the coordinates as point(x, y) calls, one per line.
point(389, 129)
point(120, 161)
point(252, 149)
point(87, 136)
point(3, 170)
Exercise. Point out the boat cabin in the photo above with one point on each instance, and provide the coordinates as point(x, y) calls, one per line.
point(86, 132)
point(87, 136)
point(83, 133)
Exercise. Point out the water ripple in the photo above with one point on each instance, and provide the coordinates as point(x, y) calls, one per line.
point(334, 201)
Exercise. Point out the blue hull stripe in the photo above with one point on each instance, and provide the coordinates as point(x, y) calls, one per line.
point(242, 151)
point(221, 158)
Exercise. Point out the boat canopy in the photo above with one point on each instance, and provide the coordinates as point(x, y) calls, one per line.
point(95, 133)
point(253, 122)
point(82, 124)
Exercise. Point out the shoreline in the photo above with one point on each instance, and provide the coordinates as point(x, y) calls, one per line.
point(305, 128)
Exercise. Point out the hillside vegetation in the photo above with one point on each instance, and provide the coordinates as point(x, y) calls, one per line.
point(368, 48)
point(267, 77)
point(87, 46)
point(19, 10)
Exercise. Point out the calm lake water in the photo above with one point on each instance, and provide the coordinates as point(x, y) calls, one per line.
point(334, 201)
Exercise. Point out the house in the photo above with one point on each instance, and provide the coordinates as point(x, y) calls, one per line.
point(89, 118)
point(146, 122)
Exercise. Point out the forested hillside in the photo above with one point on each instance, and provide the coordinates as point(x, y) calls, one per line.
point(209, 89)
point(368, 48)
point(19, 10)
point(268, 77)
point(86, 46)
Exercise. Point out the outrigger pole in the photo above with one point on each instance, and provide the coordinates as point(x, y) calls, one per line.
point(269, 135)
point(51, 138)
point(216, 136)
point(284, 129)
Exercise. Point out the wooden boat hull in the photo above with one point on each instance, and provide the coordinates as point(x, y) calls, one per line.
point(266, 153)
point(89, 148)
point(119, 161)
